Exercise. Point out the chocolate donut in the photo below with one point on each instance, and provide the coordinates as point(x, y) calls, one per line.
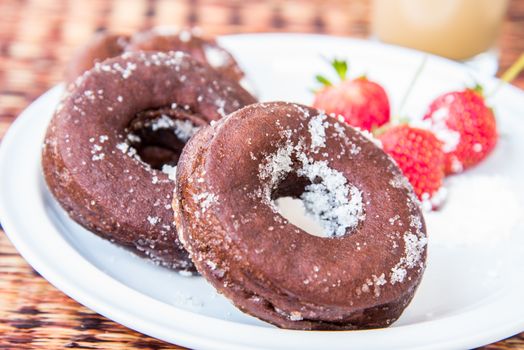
point(106, 45)
point(123, 113)
point(102, 46)
point(363, 270)
point(204, 50)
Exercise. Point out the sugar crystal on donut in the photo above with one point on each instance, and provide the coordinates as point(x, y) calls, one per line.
point(317, 129)
point(184, 129)
point(215, 56)
point(170, 171)
point(205, 200)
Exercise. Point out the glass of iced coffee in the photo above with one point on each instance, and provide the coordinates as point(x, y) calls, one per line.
point(458, 29)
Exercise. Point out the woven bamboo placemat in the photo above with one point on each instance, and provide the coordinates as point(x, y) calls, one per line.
point(38, 36)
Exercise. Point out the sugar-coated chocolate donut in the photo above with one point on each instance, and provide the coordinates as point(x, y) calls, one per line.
point(100, 47)
point(105, 45)
point(125, 111)
point(204, 50)
point(365, 269)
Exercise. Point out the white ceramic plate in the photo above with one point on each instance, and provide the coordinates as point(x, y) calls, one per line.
point(471, 293)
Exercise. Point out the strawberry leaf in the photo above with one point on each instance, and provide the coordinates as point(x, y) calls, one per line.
point(403, 120)
point(341, 67)
point(323, 80)
point(478, 89)
point(377, 131)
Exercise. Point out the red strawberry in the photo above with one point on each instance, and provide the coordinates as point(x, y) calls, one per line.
point(361, 102)
point(419, 155)
point(466, 127)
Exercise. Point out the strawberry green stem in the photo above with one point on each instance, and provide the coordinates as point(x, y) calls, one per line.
point(341, 67)
point(514, 70)
point(398, 118)
point(509, 75)
point(395, 118)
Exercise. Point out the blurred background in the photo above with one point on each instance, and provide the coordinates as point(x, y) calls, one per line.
point(38, 37)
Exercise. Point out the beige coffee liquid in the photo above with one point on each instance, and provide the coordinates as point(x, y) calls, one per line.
point(457, 29)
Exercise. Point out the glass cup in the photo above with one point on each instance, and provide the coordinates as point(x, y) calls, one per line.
point(463, 30)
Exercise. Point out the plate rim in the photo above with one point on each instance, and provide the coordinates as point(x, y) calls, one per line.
point(184, 338)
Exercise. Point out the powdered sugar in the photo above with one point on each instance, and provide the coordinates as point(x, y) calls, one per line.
point(277, 165)
point(205, 200)
point(414, 245)
point(133, 138)
point(370, 137)
point(295, 316)
point(481, 209)
point(186, 301)
point(122, 147)
point(317, 129)
point(96, 152)
point(398, 274)
point(130, 151)
point(125, 71)
point(185, 36)
point(329, 199)
point(335, 204)
point(414, 238)
point(216, 57)
point(153, 220)
point(164, 122)
point(437, 124)
point(99, 156)
point(220, 107)
point(184, 129)
point(401, 182)
point(428, 203)
point(375, 282)
point(394, 219)
point(170, 171)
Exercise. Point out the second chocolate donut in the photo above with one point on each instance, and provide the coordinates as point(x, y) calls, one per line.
point(111, 147)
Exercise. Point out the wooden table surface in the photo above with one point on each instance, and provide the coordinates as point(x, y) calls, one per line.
point(37, 38)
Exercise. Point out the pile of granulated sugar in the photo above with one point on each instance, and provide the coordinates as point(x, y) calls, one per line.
point(334, 203)
point(479, 209)
point(329, 199)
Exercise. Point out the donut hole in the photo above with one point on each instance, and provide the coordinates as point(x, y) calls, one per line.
point(159, 135)
point(287, 199)
point(158, 148)
point(317, 199)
